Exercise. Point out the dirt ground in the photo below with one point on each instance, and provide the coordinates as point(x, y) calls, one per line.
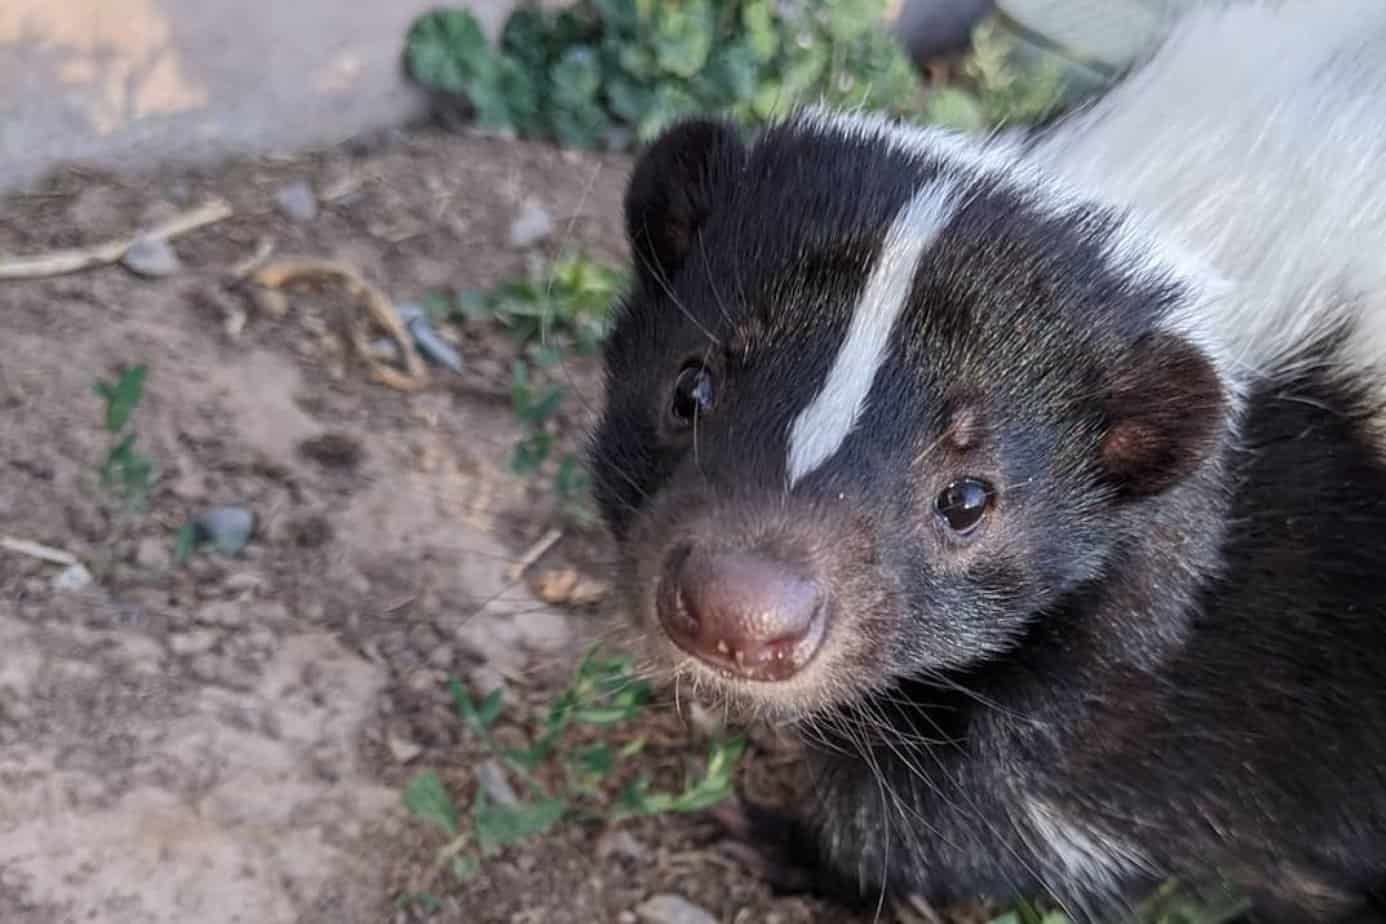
point(225, 739)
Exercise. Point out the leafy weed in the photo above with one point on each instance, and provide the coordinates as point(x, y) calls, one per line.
point(603, 694)
point(125, 470)
point(609, 73)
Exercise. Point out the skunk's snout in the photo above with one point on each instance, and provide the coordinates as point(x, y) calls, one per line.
point(748, 613)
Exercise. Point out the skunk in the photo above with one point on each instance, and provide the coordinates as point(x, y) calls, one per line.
point(1039, 481)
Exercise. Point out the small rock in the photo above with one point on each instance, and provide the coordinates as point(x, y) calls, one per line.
point(226, 613)
point(402, 749)
point(297, 201)
point(422, 681)
point(626, 917)
point(491, 778)
point(619, 843)
point(672, 909)
point(531, 226)
point(426, 339)
point(73, 577)
point(152, 554)
point(244, 582)
point(441, 657)
point(151, 257)
point(194, 642)
point(228, 529)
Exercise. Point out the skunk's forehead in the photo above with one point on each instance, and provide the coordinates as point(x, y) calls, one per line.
point(826, 172)
point(857, 194)
point(823, 181)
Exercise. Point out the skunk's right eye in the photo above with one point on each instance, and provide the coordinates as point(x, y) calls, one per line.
point(693, 394)
point(963, 504)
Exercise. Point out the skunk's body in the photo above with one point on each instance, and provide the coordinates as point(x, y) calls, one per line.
point(1045, 481)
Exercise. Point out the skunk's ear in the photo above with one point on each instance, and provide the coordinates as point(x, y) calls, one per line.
point(1163, 408)
point(673, 189)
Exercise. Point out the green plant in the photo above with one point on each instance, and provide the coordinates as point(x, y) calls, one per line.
point(603, 695)
point(554, 310)
point(125, 470)
point(995, 90)
point(608, 72)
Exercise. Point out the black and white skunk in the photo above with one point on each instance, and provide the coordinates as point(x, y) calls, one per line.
point(1043, 482)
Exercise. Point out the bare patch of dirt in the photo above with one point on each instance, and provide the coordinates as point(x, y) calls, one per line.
point(225, 739)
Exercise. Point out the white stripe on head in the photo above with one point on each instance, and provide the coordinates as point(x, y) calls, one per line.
point(820, 429)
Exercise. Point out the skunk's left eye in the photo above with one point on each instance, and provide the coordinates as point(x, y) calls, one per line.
point(693, 394)
point(963, 504)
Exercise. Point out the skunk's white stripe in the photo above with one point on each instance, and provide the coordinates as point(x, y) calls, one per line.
point(820, 428)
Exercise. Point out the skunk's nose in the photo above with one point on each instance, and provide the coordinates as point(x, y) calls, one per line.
point(747, 614)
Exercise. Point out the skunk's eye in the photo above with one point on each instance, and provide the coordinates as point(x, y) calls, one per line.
point(963, 504)
point(693, 394)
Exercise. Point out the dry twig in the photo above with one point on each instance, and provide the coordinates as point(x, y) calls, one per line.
point(280, 273)
point(37, 550)
point(61, 262)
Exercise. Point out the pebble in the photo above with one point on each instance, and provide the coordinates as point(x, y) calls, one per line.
point(195, 641)
point(152, 554)
point(619, 843)
point(151, 257)
point(222, 613)
point(426, 339)
point(73, 577)
point(441, 657)
point(423, 681)
point(401, 748)
point(491, 778)
point(531, 226)
point(244, 581)
point(228, 529)
point(673, 909)
point(297, 201)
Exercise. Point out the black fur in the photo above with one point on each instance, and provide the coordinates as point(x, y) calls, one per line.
point(1169, 638)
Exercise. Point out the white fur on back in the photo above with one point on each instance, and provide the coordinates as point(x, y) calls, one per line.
point(1251, 153)
point(1255, 138)
point(819, 430)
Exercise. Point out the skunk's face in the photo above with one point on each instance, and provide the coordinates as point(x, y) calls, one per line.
point(872, 412)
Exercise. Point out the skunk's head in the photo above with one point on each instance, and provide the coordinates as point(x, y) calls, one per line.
point(877, 403)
